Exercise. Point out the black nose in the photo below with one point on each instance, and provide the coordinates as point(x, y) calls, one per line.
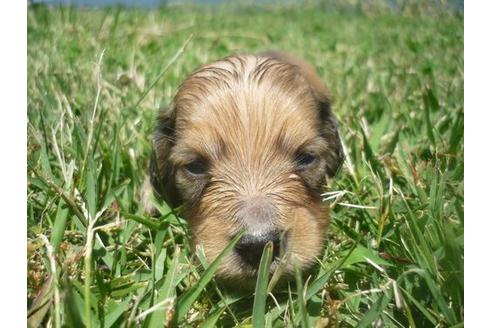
point(250, 246)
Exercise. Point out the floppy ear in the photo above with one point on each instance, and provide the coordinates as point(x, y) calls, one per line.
point(329, 124)
point(162, 172)
point(329, 130)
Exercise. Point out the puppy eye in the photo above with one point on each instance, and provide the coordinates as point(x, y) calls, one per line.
point(305, 160)
point(197, 167)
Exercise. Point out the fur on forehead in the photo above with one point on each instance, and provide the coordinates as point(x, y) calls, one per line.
point(248, 101)
point(264, 80)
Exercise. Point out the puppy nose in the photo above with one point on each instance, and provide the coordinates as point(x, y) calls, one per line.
point(250, 246)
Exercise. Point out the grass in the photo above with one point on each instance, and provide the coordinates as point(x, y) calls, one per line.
point(96, 78)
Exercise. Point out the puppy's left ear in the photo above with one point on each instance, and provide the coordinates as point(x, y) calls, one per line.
point(161, 170)
point(329, 131)
point(328, 121)
point(329, 124)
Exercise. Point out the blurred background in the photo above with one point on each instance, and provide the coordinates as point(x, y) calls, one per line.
point(393, 4)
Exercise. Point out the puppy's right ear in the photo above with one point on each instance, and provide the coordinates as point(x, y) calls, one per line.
point(162, 172)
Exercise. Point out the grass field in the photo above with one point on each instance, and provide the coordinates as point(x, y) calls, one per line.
point(394, 256)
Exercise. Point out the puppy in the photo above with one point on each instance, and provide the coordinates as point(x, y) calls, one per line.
point(246, 145)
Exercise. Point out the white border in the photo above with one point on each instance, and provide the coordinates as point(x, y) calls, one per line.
point(478, 138)
point(13, 122)
point(13, 129)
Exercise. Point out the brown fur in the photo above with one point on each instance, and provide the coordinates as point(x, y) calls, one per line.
point(244, 122)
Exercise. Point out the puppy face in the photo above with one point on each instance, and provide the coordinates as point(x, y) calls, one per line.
point(246, 145)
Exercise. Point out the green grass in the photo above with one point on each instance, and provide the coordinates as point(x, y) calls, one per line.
point(394, 255)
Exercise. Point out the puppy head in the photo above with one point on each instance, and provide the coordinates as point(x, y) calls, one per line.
point(246, 144)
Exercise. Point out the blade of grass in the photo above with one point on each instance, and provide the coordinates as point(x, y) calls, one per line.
point(419, 238)
point(278, 272)
point(166, 291)
point(319, 283)
point(431, 103)
point(211, 320)
point(459, 325)
point(72, 203)
point(375, 311)
point(94, 112)
point(166, 68)
point(41, 304)
point(91, 188)
point(456, 136)
point(421, 307)
point(115, 313)
point(186, 300)
point(74, 307)
point(59, 225)
point(54, 274)
point(301, 304)
point(261, 286)
point(392, 144)
point(149, 223)
point(439, 298)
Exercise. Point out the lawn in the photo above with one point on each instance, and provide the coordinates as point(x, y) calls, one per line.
point(96, 78)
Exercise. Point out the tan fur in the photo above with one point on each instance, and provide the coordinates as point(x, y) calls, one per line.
point(246, 118)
